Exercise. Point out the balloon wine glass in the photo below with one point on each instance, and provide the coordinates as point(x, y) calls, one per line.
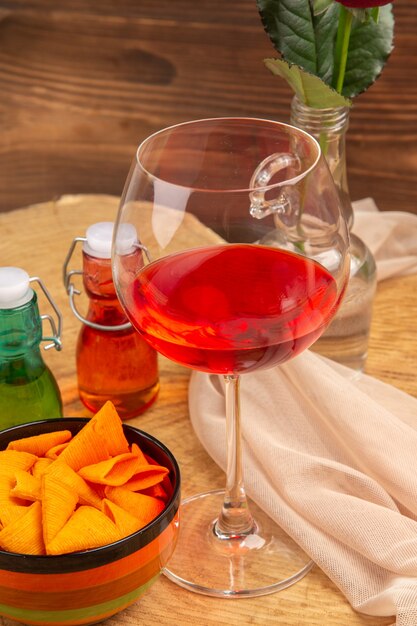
point(230, 255)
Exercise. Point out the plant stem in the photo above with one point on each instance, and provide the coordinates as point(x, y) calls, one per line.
point(323, 142)
point(342, 46)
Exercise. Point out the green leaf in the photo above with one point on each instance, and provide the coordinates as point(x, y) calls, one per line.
point(309, 88)
point(325, 28)
point(308, 40)
point(369, 48)
point(374, 12)
point(302, 38)
point(321, 5)
point(290, 29)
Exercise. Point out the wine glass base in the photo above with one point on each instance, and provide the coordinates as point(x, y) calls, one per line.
point(261, 563)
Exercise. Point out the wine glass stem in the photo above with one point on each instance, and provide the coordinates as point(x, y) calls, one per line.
point(235, 519)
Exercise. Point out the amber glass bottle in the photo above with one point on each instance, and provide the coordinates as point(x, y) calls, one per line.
point(113, 360)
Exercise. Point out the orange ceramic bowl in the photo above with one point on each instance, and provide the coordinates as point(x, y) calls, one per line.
point(87, 587)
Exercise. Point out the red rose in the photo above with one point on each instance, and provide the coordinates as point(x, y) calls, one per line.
point(363, 4)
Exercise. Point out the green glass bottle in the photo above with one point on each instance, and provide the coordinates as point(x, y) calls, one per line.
point(28, 389)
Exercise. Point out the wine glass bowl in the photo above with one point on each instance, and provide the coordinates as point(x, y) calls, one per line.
point(240, 264)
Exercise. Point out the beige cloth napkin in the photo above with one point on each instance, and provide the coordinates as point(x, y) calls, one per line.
point(331, 459)
point(390, 235)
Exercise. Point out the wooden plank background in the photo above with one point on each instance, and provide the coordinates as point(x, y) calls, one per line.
point(82, 82)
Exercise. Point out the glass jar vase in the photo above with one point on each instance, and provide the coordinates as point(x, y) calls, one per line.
point(346, 339)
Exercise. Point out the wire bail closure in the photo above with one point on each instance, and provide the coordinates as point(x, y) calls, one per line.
point(72, 291)
point(55, 338)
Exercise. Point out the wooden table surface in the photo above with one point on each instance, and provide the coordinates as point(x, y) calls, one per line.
point(37, 239)
point(83, 82)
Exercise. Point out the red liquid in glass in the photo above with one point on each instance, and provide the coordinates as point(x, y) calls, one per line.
point(232, 308)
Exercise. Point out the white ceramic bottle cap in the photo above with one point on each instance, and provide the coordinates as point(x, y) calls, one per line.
point(14, 287)
point(99, 239)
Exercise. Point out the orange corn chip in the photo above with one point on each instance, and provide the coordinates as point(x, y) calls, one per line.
point(145, 477)
point(24, 535)
point(7, 482)
point(167, 486)
point(156, 491)
point(138, 452)
point(75, 483)
point(125, 522)
point(101, 438)
point(12, 460)
point(11, 508)
point(85, 448)
point(40, 444)
point(115, 471)
point(27, 486)
point(100, 491)
point(107, 423)
point(144, 508)
point(55, 451)
point(40, 466)
point(58, 504)
point(87, 528)
point(10, 512)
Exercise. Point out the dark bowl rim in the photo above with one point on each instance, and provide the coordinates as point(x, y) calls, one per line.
point(77, 561)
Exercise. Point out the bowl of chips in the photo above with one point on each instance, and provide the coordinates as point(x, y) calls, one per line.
point(88, 518)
